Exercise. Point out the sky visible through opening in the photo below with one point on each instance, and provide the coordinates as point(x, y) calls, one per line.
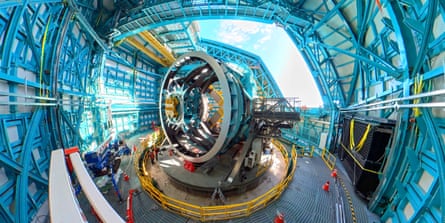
point(275, 48)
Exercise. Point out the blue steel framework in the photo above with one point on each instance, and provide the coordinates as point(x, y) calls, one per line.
point(185, 37)
point(25, 133)
point(52, 64)
point(266, 84)
point(132, 78)
point(359, 52)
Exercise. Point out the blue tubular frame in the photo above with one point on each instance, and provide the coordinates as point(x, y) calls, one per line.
point(266, 84)
point(400, 191)
point(71, 81)
point(60, 83)
point(267, 12)
point(131, 77)
point(22, 193)
point(24, 135)
point(355, 59)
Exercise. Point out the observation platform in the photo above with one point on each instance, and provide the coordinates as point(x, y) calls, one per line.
point(190, 187)
point(206, 178)
point(302, 201)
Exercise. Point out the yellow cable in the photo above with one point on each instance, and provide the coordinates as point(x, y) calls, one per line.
point(351, 135)
point(418, 85)
point(99, 18)
point(42, 55)
point(363, 139)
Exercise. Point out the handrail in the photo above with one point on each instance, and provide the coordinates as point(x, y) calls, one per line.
point(61, 192)
point(328, 158)
point(218, 212)
point(358, 162)
point(304, 152)
point(101, 206)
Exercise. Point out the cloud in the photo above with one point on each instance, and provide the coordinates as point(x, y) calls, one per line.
point(278, 52)
point(260, 44)
point(239, 32)
point(266, 29)
point(264, 39)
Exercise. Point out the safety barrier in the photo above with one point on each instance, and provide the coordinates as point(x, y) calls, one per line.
point(358, 162)
point(218, 212)
point(61, 192)
point(304, 151)
point(103, 209)
point(328, 158)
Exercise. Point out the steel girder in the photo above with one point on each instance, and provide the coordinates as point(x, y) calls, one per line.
point(46, 66)
point(73, 78)
point(24, 165)
point(411, 185)
point(164, 12)
point(25, 134)
point(130, 87)
point(359, 52)
point(424, 40)
point(266, 84)
point(167, 12)
point(188, 43)
point(359, 33)
point(48, 74)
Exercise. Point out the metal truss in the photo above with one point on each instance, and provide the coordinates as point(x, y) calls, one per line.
point(129, 88)
point(267, 87)
point(51, 65)
point(25, 136)
point(359, 53)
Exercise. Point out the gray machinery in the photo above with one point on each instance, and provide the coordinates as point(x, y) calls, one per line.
point(214, 124)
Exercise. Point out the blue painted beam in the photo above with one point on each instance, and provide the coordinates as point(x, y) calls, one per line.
point(404, 36)
point(14, 3)
point(21, 205)
point(30, 39)
point(240, 56)
point(332, 12)
point(189, 36)
point(363, 16)
point(426, 36)
point(383, 65)
point(86, 25)
point(153, 18)
point(11, 34)
point(8, 162)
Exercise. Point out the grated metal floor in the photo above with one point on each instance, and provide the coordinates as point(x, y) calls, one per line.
point(303, 201)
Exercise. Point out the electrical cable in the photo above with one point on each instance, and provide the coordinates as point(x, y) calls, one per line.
point(42, 55)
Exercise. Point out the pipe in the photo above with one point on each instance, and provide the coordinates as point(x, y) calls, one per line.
point(397, 106)
point(28, 103)
point(26, 96)
point(411, 97)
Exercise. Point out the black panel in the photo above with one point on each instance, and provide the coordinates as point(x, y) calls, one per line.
point(371, 156)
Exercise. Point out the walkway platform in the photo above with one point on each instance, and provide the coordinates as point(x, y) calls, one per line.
point(303, 201)
point(166, 166)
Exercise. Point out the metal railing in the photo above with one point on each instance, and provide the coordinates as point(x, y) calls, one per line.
point(328, 158)
point(218, 212)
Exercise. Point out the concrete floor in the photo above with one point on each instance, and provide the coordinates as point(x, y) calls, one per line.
point(303, 201)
